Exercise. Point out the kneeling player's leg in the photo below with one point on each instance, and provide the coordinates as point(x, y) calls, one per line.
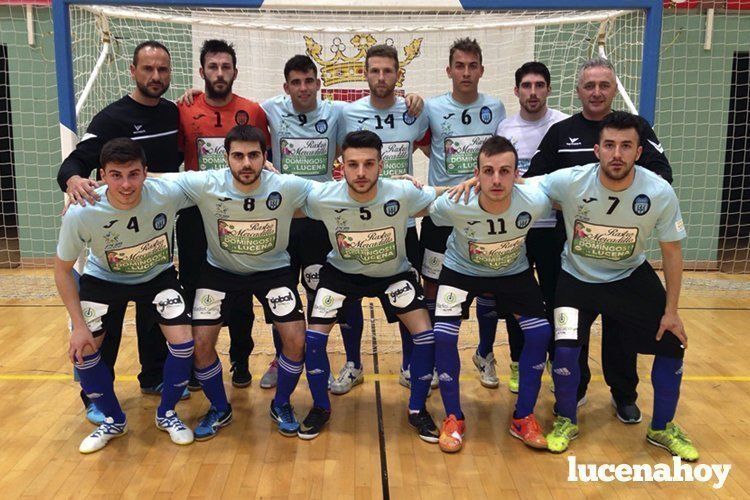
point(208, 369)
point(291, 360)
point(178, 365)
point(423, 356)
point(537, 332)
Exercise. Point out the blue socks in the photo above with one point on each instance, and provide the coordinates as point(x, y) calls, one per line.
point(666, 376)
point(407, 346)
point(212, 383)
point(566, 375)
point(97, 383)
point(351, 331)
point(422, 364)
point(289, 373)
point(536, 333)
point(448, 365)
point(487, 321)
point(177, 369)
point(318, 368)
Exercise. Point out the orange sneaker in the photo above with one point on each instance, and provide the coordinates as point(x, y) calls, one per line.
point(452, 434)
point(529, 431)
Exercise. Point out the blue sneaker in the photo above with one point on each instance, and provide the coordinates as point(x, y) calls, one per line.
point(212, 422)
point(284, 416)
point(155, 390)
point(93, 414)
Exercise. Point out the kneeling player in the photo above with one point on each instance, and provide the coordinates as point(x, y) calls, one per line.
point(610, 210)
point(129, 239)
point(486, 254)
point(366, 218)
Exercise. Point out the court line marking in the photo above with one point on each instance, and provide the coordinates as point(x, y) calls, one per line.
point(379, 405)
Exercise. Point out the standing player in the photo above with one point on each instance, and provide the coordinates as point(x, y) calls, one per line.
point(460, 122)
point(385, 114)
point(146, 117)
point(571, 142)
point(366, 218)
point(129, 238)
point(246, 213)
point(610, 209)
point(203, 126)
point(526, 130)
point(486, 255)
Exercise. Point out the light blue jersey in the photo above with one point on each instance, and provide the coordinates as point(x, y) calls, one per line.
point(458, 132)
point(246, 232)
point(368, 238)
point(303, 144)
point(124, 246)
point(608, 230)
point(396, 128)
point(484, 244)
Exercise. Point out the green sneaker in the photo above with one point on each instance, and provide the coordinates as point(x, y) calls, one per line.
point(551, 379)
point(513, 382)
point(563, 432)
point(674, 440)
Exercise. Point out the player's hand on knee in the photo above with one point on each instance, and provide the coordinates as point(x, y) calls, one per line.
point(82, 190)
point(189, 97)
point(414, 104)
point(80, 338)
point(671, 322)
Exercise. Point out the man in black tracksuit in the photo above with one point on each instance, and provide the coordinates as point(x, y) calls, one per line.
point(571, 142)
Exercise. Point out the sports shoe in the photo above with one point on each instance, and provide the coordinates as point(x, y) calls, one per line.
point(155, 390)
point(581, 402)
point(529, 431)
point(313, 423)
point(349, 376)
point(271, 377)
point(193, 384)
point(551, 379)
point(171, 423)
point(487, 372)
point(212, 422)
point(514, 377)
point(628, 414)
point(93, 414)
point(563, 432)
point(101, 436)
point(452, 432)
point(404, 377)
point(241, 376)
point(424, 425)
point(284, 416)
point(674, 440)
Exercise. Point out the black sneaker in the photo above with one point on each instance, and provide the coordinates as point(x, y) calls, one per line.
point(313, 423)
point(627, 413)
point(425, 426)
point(241, 376)
point(193, 384)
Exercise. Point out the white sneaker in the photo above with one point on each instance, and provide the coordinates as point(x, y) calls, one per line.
point(101, 436)
point(404, 378)
point(271, 377)
point(179, 432)
point(487, 371)
point(348, 378)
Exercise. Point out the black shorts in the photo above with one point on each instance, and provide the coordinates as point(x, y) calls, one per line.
point(308, 247)
point(432, 244)
point(635, 303)
point(219, 291)
point(163, 295)
point(398, 294)
point(515, 294)
point(413, 254)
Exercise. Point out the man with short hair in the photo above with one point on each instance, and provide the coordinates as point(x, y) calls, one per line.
point(460, 122)
point(385, 114)
point(610, 209)
point(129, 238)
point(486, 256)
point(526, 130)
point(571, 142)
point(203, 126)
point(144, 116)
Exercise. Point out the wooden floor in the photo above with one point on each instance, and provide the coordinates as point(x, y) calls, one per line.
point(368, 451)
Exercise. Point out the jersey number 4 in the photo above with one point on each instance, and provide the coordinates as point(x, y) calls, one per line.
point(133, 224)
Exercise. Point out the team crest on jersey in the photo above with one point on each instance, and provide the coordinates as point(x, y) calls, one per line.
point(408, 119)
point(160, 221)
point(391, 208)
point(321, 126)
point(274, 200)
point(641, 204)
point(523, 220)
point(485, 114)
point(241, 117)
